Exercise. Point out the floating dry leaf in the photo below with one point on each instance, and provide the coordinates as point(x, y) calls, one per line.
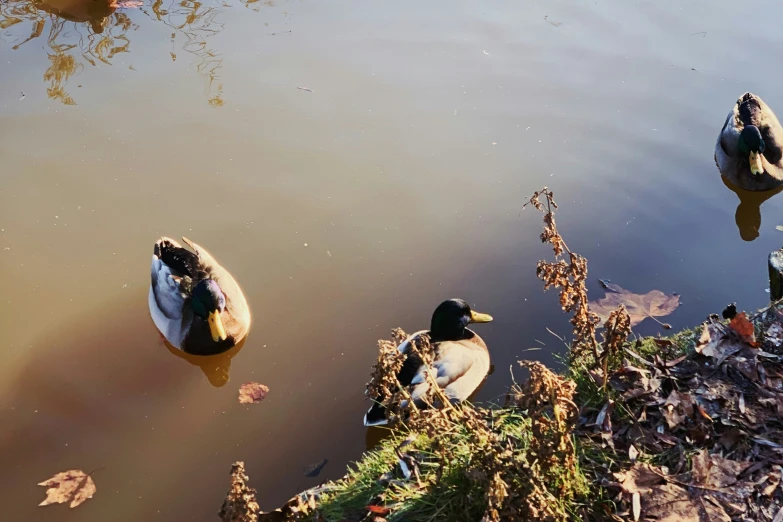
point(74, 486)
point(639, 306)
point(252, 392)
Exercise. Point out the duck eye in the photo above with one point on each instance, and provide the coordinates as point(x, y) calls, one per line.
point(761, 146)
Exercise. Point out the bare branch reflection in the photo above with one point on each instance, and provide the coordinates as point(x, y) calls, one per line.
point(80, 32)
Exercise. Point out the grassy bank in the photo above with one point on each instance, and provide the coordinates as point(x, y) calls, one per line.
point(687, 428)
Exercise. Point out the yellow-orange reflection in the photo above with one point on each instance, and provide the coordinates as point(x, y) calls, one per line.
point(215, 367)
point(80, 32)
point(748, 214)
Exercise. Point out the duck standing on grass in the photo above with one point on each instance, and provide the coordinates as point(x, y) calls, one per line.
point(461, 359)
point(195, 303)
point(749, 150)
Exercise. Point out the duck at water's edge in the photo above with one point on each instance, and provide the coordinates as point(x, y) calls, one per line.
point(461, 358)
point(195, 303)
point(749, 150)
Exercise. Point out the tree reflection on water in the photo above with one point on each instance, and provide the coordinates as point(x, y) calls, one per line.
point(80, 32)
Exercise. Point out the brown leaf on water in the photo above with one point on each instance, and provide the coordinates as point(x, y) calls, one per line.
point(639, 306)
point(252, 392)
point(74, 486)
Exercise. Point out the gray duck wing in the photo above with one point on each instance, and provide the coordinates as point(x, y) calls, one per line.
point(173, 269)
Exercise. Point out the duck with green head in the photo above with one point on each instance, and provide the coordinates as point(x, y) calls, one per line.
point(195, 302)
point(461, 358)
point(749, 150)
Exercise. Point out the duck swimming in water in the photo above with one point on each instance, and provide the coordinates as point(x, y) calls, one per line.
point(195, 303)
point(749, 149)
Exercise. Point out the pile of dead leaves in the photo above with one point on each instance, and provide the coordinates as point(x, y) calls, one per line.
point(700, 436)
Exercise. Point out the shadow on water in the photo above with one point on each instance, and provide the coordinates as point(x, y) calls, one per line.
point(91, 32)
point(748, 214)
point(215, 367)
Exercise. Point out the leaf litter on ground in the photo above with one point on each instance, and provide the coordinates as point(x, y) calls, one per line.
point(707, 439)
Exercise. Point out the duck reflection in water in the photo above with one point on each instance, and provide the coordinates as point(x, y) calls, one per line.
point(93, 12)
point(215, 367)
point(748, 214)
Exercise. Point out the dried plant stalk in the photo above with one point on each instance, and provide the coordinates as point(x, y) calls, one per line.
point(570, 276)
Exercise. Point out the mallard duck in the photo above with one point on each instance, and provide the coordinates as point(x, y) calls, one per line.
point(461, 358)
point(195, 303)
point(748, 151)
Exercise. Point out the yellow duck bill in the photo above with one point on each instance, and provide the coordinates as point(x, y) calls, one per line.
point(216, 327)
point(756, 167)
point(476, 317)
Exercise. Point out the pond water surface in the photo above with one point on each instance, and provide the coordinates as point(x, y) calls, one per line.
point(353, 164)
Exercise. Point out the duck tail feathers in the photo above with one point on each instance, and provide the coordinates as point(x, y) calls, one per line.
point(376, 416)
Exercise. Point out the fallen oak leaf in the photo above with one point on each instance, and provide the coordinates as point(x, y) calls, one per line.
point(673, 503)
point(639, 306)
point(638, 479)
point(252, 392)
point(744, 328)
point(715, 471)
point(715, 343)
point(74, 486)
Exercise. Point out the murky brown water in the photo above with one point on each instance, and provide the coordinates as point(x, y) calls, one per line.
point(343, 210)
